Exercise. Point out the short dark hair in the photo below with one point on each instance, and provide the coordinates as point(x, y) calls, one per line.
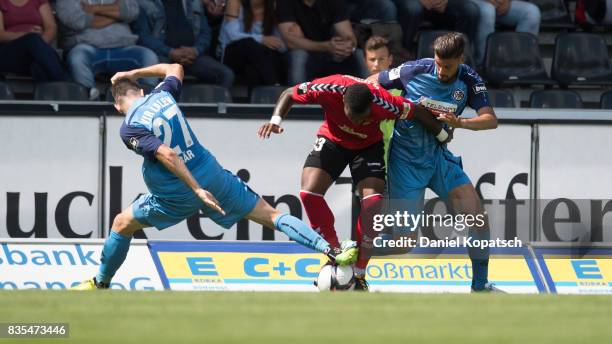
point(449, 46)
point(376, 42)
point(122, 87)
point(358, 98)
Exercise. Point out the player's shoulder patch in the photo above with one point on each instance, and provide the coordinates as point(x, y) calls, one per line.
point(133, 142)
point(303, 88)
point(395, 73)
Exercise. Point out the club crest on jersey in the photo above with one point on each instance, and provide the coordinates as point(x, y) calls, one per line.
point(134, 143)
point(458, 95)
point(479, 88)
point(302, 88)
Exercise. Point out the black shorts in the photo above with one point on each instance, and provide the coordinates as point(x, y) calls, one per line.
point(333, 158)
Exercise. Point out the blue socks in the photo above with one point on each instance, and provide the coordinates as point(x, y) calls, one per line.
point(300, 232)
point(480, 259)
point(114, 252)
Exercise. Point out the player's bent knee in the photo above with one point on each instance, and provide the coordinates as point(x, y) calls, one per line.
point(125, 224)
point(120, 222)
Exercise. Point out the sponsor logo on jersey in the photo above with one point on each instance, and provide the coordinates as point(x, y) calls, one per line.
point(351, 131)
point(437, 106)
point(458, 95)
point(479, 88)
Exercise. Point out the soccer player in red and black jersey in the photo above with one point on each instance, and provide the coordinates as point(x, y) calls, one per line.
point(350, 135)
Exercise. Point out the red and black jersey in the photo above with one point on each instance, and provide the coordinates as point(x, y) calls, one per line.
point(328, 93)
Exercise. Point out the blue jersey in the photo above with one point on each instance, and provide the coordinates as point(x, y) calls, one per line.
point(419, 83)
point(156, 119)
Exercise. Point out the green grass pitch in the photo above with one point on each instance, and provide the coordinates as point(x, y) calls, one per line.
point(287, 318)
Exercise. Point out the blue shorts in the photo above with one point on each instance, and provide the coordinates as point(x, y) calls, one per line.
point(234, 196)
point(408, 181)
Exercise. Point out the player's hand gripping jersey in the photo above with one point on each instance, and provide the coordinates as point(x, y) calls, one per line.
point(337, 127)
point(420, 84)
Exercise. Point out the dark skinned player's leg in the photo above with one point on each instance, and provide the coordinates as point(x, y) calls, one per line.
point(314, 185)
point(371, 190)
point(368, 172)
point(464, 200)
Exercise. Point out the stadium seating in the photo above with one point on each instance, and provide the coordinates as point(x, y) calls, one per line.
point(205, 94)
point(5, 92)
point(581, 59)
point(555, 14)
point(501, 98)
point(60, 90)
point(513, 58)
point(555, 99)
point(425, 46)
point(266, 94)
point(606, 100)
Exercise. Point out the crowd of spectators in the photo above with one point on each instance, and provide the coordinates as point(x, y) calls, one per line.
point(258, 42)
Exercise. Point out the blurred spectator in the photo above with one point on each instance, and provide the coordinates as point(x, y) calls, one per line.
point(320, 38)
point(178, 31)
point(598, 12)
point(372, 10)
point(378, 58)
point(250, 44)
point(377, 55)
point(26, 32)
point(98, 39)
point(522, 15)
point(463, 16)
point(214, 9)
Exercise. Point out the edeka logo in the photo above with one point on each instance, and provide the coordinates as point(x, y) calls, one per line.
point(75, 255)
point(202, 266)
point(586, 269)
point(261, 267)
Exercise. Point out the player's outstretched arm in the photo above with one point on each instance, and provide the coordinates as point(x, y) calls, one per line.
point(283, 105)
point(161, 70)
point(168, 157)
point(485, 119)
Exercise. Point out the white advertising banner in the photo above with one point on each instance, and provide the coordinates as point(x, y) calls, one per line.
point(575, 161)
point(574, 181)
point(52, 192)
point(49, 177)
point(60, 264)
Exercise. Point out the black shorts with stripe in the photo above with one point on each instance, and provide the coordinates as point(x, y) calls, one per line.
point(333, 158)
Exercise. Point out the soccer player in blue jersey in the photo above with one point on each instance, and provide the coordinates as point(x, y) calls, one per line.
point(417, 160)
point(182, 176)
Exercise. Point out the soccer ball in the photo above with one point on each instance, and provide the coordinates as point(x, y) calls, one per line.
point(335, 278)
